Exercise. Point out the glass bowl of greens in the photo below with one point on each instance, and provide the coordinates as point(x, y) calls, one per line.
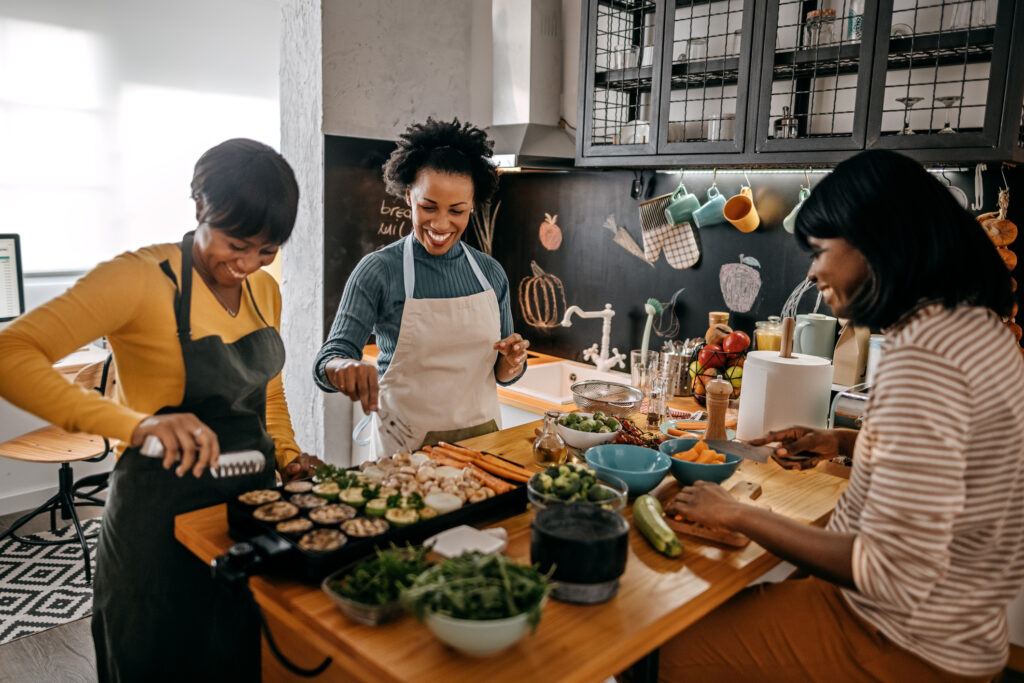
point(584, 430)
point(479, 604)
point(576, 483)
point(368, 591)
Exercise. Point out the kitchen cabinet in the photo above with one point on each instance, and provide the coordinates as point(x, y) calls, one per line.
point(735, 82)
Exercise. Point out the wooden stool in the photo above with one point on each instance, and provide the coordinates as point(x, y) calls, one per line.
point(56, 446)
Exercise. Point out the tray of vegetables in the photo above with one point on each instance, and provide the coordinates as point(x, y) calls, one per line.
point(343, 515)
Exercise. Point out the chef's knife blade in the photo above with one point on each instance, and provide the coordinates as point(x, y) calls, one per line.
point(744, 450)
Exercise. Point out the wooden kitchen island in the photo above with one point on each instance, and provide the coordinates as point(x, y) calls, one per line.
point(658, 597)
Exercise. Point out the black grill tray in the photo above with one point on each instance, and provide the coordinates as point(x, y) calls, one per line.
point(312, 567)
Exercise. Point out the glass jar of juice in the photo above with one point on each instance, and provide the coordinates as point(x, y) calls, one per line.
point(549, 448)
point(768, 334)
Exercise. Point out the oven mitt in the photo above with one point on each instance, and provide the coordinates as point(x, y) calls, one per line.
point(679, 242)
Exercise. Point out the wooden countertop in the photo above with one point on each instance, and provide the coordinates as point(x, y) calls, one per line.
point(658, 597)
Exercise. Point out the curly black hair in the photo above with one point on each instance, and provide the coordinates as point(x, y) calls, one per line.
point(448, 147)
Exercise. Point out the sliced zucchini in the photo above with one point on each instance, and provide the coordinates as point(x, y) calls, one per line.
point(377, 507)
point(328, 490)
point(400, 517)
point(353, 496)
point(427, 513)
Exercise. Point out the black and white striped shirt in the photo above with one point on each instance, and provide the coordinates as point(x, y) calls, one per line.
point(936, 495)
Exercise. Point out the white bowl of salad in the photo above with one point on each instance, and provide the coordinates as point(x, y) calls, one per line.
point(584, 430)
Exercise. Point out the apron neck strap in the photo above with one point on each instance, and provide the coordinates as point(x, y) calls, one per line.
point(183, 304)
point(409, 267)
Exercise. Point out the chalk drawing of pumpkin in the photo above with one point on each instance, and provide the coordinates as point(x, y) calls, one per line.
point(740, 283)
point(550, 233)
point(541, 299)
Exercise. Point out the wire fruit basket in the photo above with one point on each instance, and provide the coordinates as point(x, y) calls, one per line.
point(616, 399)
point(728, 365)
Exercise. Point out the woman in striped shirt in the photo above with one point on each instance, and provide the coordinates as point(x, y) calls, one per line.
point(910, 579)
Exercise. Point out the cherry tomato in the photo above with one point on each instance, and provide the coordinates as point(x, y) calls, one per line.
point(737, 342)
point(711, 356)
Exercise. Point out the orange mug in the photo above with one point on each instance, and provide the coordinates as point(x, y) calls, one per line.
point(741, 212)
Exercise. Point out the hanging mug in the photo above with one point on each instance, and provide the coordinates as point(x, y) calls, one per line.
point(789, 222)
point(711, 213)
point(741, 212)
point(681, 206)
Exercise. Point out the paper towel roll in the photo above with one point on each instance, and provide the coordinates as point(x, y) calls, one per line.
point(783, 392)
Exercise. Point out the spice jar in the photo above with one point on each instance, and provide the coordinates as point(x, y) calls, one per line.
point(768, 334)
point(787, 127)
point(549, 448)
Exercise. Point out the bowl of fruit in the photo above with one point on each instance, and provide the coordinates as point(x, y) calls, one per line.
point(583, 430)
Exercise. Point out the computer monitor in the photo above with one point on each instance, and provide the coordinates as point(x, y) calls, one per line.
point(12, 288)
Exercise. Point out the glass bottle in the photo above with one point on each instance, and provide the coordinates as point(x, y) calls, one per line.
point(768, 333)
point(656, 408)
point(786, 127)
point(549, 447)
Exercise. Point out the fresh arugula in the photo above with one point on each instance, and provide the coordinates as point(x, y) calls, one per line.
point(380, 580)
point(478, 586)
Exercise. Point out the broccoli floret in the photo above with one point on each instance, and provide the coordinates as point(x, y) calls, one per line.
point(552, 471)
point(564, 469)
point(576, 496)
point(394, 500)
point(598, 493)
point(587, 479)
point(566, 485)
point(414, 501)
point(545, 482)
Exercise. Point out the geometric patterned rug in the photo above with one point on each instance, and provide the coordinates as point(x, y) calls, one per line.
point(42, 586)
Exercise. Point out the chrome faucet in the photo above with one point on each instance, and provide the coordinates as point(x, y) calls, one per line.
point(602, 359)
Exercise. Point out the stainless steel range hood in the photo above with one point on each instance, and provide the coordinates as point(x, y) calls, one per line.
point(527, 70)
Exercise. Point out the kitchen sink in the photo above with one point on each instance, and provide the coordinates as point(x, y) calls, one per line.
point(551, 382)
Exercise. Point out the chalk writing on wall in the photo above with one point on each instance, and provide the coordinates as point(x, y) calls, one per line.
point(396, 219)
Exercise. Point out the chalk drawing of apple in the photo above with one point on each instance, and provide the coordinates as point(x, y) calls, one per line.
point(550, 233)
point(740, 283)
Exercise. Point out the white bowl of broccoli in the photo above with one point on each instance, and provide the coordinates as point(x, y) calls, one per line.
point(583, 430)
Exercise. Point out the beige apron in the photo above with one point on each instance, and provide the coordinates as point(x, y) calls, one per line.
point(440, 384)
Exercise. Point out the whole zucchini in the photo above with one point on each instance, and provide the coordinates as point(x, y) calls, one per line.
point(647, 516)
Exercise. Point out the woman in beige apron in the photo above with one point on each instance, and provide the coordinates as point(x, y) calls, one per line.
point(439, 308)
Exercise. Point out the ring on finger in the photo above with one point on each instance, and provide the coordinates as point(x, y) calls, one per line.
point(197, 432)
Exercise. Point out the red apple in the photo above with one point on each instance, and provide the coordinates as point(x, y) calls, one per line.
point(711, 356)
point(737, 342)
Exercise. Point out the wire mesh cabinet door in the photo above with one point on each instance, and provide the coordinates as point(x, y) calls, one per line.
point(705, 72)
point(815, 75)
point(940, 73)
point(621, 43)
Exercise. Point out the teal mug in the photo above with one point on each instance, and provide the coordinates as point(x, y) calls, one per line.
point(681, 206)
point(789, 222)
point(711, 213)
point(815, 335)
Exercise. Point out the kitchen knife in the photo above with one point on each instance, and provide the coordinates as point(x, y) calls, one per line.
point(228, 465)
point(744, 450)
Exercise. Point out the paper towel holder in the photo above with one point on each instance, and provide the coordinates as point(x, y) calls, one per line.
point(786, 348)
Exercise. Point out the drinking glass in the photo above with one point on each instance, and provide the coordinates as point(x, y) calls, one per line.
point(907, 102)
point(948, 101)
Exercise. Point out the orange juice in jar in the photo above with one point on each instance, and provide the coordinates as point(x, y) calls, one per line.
point(768, 334)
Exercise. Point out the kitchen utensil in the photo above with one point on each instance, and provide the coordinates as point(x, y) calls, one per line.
point(786, 127)
point(744, 450)
point(608, 397)
point(901, 31)
point(640, 467)
point(908, 102)
point(848, 408)
point(815, 334)
point(744, 491)
point(690, 431)
point(681, 206)
point(783, 389)
point(228, 464)
point(687, 472)
point(718, 392)
point(586, 545)
point(721, 127)
point(478, 637)
point(741, 212)
point(711, 212)
point(948, 101)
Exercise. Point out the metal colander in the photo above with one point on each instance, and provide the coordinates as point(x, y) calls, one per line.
point(620, 400)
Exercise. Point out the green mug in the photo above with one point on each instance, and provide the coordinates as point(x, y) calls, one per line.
point(681, 206)
point(789, 222)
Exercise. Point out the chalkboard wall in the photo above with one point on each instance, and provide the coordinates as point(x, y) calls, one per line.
point(592, 268)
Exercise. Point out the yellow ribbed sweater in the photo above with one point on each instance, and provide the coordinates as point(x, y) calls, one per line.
point(130, 301)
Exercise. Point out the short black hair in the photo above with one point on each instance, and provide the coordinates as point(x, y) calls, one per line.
point(449, 147)
point(920, 244)
point(247, 189)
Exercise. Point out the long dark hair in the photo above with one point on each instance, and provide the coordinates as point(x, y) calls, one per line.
point(247, 189)
point(445, 146)
point(919, 243)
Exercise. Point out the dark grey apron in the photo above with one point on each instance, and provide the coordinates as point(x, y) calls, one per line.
point(157, 615)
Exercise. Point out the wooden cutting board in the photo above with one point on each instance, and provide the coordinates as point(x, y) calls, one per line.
point(744, 491)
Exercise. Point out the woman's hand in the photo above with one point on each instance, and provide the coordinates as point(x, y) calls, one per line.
point(513, 356)
point(708, 504)
point(355, 379)
point(802, 447)
point(302, 467)
point(185, 438)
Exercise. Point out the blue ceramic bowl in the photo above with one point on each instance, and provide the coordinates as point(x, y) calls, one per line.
point(690, 472)
point(641, 468)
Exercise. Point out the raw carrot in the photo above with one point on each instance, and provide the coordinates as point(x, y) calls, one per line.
point(498, 485)
point(454, 455)
point(460, 449)
point(521, 477)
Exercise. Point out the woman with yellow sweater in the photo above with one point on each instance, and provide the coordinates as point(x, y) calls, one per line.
point(194, 331)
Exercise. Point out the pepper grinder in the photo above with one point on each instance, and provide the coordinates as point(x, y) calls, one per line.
point(718, 392)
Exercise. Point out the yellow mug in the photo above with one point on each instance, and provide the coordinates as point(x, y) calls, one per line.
point(741, 212)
